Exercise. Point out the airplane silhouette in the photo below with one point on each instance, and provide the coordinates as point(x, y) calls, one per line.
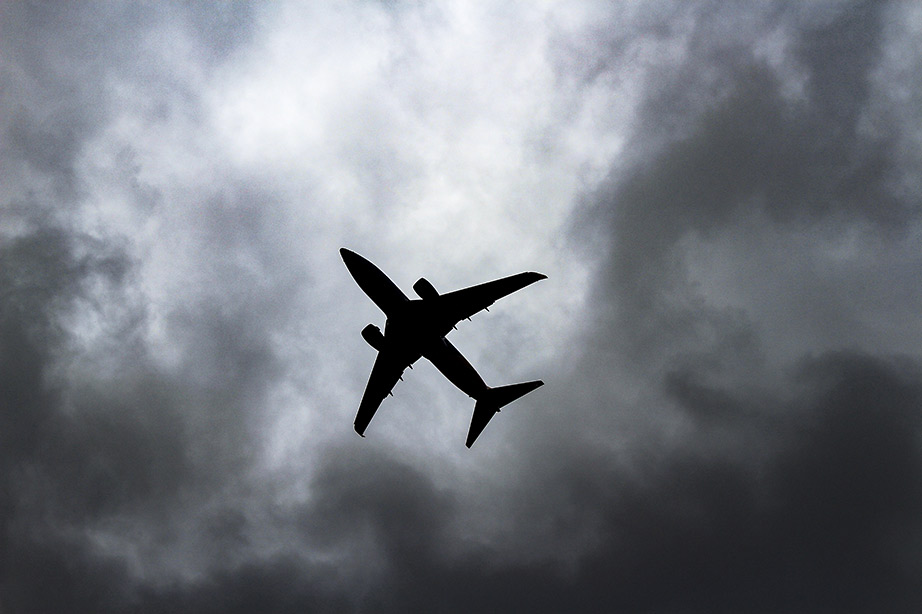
point(417, 328)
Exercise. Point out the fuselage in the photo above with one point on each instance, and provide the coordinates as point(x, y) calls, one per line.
point(416, 328)
point(413, 328)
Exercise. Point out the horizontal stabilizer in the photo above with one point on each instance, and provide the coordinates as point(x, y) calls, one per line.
point(491, 401)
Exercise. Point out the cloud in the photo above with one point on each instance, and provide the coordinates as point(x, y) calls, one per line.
point(814, 525)
point(726, 202)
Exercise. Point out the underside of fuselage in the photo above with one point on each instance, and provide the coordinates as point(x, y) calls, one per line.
point(415, 330)
point(416, 320)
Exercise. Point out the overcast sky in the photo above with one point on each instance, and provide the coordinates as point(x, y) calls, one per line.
point(727, 201)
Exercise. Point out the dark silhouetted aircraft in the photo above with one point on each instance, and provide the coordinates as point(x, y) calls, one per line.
point(416, 329)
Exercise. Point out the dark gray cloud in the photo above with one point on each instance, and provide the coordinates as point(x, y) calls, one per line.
point(59, 466)
point(744, 156)
point(829, 522)
point(735, 424)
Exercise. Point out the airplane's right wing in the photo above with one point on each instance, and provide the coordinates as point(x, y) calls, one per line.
point(384, 375)
point(462, 304)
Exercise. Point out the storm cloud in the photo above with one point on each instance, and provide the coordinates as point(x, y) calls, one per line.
point(725, 199)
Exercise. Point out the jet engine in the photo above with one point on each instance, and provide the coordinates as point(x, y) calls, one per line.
point(372, 334)
point(424, 289)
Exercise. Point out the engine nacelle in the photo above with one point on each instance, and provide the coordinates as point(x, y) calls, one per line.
point(372, 334)
point(424, 289)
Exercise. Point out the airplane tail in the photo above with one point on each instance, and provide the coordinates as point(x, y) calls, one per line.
point(490, 403)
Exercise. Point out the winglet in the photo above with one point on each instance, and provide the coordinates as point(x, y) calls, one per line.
point(491, 402)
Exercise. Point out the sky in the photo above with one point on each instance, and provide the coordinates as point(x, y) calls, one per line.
point(725, 198)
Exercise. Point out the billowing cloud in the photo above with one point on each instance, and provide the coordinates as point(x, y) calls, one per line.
point(725, 199)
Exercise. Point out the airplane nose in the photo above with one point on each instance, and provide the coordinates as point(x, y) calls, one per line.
point(353, 261)
point(348, 256)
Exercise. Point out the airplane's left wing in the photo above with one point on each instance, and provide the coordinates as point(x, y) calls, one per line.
point(462, 304)
point(384, 375)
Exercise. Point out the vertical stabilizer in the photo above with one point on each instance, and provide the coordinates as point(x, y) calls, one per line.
point(491, 401)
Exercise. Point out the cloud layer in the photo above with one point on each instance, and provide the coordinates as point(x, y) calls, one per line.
point(725, 199)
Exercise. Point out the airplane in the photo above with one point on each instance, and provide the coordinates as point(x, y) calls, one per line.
point(417, 328)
